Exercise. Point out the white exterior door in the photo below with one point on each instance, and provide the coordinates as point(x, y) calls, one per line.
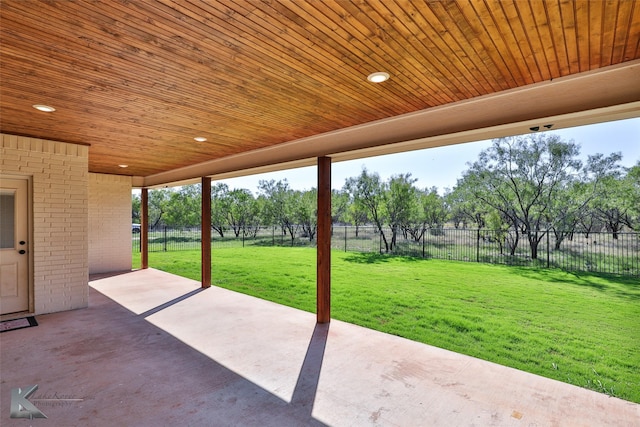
point(14, 246)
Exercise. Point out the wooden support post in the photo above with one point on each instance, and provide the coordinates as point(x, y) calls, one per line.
point(206, 232)
point(144, 228)
point(323, 302)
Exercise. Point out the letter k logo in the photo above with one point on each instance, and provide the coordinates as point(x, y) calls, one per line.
point(21, 407)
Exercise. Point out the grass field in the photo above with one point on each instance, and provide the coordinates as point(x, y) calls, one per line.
point(582, 329)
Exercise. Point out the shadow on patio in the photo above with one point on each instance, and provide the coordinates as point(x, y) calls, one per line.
point(154, 349)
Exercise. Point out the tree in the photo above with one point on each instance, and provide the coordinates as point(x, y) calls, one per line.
point(263, 206)
point(499, 232)
point(537, 183)
point(565, 210)
point(611, 192)
point(633, 178)
point(219, 207)
point(388, 203)
point(368, 193)
point(521, 177)
point(135, 209)
point(465, 206)
point(588, 221)
point(434, 208)
point(242, 211)
point(400, 200)
point(340, 202)
point(158, 204)
point(573, 203)
point(183, 207)
point(481, 204)
point(430, 211)
point(279, 205)
point(356, 212)
point(615, 207)
point(305, 210)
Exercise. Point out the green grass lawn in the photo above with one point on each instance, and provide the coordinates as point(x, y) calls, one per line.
point(582, 329)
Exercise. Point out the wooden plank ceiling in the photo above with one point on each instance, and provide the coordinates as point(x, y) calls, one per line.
point(138, 80)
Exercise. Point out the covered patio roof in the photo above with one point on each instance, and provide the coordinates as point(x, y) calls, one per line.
point(155, 349)
point(276, 84)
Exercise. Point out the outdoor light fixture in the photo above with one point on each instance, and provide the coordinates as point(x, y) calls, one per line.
point(200, 138)
point(44, 108)
point(378, 77)
point(537, 128)
point(124, 166)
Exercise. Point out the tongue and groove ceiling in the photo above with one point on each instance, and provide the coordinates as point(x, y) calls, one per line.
point(267, 82)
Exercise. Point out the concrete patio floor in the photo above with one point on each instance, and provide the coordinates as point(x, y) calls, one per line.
point(154, 349)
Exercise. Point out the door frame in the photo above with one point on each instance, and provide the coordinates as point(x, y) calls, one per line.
point(30, 257)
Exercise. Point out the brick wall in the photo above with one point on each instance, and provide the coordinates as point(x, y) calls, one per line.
point(59, 177)
point(109, 223)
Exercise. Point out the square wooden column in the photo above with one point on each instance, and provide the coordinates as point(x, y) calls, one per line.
point(206, 232)
point(144, 228)
point(323, 302)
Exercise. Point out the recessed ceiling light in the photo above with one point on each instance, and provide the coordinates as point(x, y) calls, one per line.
point(45, 108)
point(378, 77)
point(200, 138)
point(124, 166)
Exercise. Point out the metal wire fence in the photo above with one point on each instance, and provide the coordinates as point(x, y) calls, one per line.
point(601, 252)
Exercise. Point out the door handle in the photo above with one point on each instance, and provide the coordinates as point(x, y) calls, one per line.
point(22, 252)
point(22, 242)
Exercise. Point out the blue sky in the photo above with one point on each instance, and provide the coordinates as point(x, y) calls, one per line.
point(442, 166)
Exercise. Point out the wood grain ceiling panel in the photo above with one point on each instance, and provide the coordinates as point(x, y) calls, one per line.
point(138, 80)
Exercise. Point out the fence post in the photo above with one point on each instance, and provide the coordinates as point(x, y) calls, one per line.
point(478, 245)
point(165, 238)
point(547, 248)
point(345, 238)
point(243, 238)
point(423, 233)
point(380, 244)
point(273, 236)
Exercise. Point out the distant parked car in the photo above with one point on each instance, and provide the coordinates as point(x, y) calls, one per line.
point(135, 228)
